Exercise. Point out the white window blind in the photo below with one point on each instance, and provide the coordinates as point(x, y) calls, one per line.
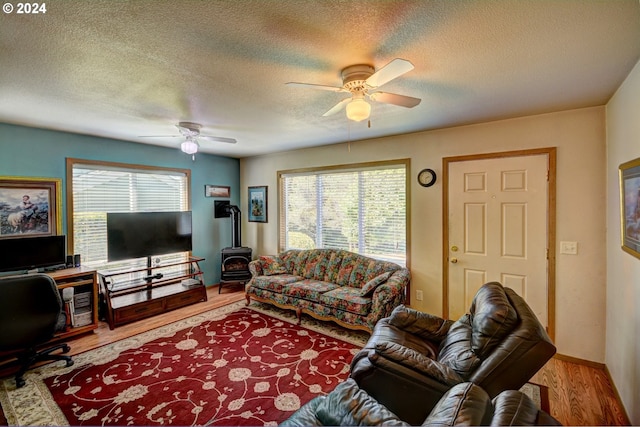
point(362, 210)
point(101, 188)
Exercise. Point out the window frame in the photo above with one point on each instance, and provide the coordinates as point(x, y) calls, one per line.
point(406, 163)
point(71, 162)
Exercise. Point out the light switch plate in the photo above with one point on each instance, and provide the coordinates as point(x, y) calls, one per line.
point(569, 248)
point(419, 295)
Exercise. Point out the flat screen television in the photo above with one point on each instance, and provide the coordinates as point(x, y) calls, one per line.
point(144, 234)
point(27, 253)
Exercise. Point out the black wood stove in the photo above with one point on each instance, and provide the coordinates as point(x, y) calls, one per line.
point(235, 259)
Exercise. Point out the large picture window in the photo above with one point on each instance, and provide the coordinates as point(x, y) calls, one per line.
point(96, 188)
point(359, 208)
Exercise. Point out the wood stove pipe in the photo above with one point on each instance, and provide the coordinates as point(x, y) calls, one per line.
point(236, 240)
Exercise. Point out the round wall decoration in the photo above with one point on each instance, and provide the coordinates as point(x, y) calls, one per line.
point(427, 177)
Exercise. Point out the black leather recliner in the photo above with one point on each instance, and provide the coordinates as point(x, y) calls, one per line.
point(412, 358)
point(31, 312)
point(465, 404)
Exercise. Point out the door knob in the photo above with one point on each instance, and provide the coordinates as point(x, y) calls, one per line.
point(454, 260)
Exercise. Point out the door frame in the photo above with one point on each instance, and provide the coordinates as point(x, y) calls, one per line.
point(550, 152)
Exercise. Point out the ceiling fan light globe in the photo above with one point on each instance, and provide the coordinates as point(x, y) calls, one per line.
point(189, 146)
point(358, 110)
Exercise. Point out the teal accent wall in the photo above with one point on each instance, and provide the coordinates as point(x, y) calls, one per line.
point(32, 152)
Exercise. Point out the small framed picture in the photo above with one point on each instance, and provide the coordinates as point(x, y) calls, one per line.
point(258, 204)
point(630, 206)
point(217, 191)
point(30, 207)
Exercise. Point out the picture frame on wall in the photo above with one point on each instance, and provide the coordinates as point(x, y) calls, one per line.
point(30, 207)
point(217, 191)
point(258, 204)
point(630, 206)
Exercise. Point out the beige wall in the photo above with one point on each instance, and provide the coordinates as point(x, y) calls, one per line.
point(623, 270)
point(579, 136)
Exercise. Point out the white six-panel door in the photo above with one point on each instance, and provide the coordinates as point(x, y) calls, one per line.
point(498, 229)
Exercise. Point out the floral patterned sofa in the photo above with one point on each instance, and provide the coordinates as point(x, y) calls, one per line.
point(329, 284)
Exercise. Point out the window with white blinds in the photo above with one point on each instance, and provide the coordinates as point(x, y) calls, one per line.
point(98, 188)
point(359, 209)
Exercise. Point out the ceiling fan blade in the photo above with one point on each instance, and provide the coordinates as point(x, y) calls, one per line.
point(159, 136)
point(393, 69)
point(339, 106)
point(321, 87)
point(218, 139)
point(395, 99)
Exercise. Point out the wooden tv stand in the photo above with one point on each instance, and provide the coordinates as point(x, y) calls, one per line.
point(132, 295)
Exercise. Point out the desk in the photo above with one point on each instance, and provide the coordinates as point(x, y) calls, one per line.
point(84, 282)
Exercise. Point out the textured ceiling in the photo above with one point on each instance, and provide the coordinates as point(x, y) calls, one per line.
point(122, 69)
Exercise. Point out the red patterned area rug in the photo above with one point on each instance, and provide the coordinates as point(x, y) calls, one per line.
point(229, 366)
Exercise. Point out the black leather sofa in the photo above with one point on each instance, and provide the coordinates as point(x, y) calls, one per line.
point(413, 358)
point(465, 404)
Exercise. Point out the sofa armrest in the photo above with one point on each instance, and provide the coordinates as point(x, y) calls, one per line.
point(512, 407)
point(255, 267)
point(389, 295)
point(464, 404)
point(416, 361)
point(422, 324)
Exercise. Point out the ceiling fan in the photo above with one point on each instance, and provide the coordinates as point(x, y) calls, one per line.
point(191, 132)
point(359, 80)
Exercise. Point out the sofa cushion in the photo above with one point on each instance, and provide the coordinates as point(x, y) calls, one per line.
point(359, 276)
point(343, 276)
point(334, 262)
point(492, 318)
point(316, 264)
point(274, 283)
point(271, 265)
point(267, 295)
point(355, 270)
point(308, 289)
point(294, 260)
point(415, 360)
point(455, 349)
point(429, 327)
point(369, 288)
point(346, 298)
point(376, 268)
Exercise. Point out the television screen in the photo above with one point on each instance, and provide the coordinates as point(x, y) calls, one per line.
point(142, 234)
point(27, 253)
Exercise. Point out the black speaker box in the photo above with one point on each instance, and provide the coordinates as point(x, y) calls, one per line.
point(69, 261)
point(221, 209)
point(76, 260)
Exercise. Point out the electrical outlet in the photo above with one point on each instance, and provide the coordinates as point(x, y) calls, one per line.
point(419, 295)
point(569, 248)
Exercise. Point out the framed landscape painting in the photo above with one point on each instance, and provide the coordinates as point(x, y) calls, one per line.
point(258, 204)
point(630, 206)
point(217, 191)
point(30, 207)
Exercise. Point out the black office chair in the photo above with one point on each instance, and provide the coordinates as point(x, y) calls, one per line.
point(31, 312)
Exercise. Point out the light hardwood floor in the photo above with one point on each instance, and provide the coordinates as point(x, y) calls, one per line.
point(579, 394)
